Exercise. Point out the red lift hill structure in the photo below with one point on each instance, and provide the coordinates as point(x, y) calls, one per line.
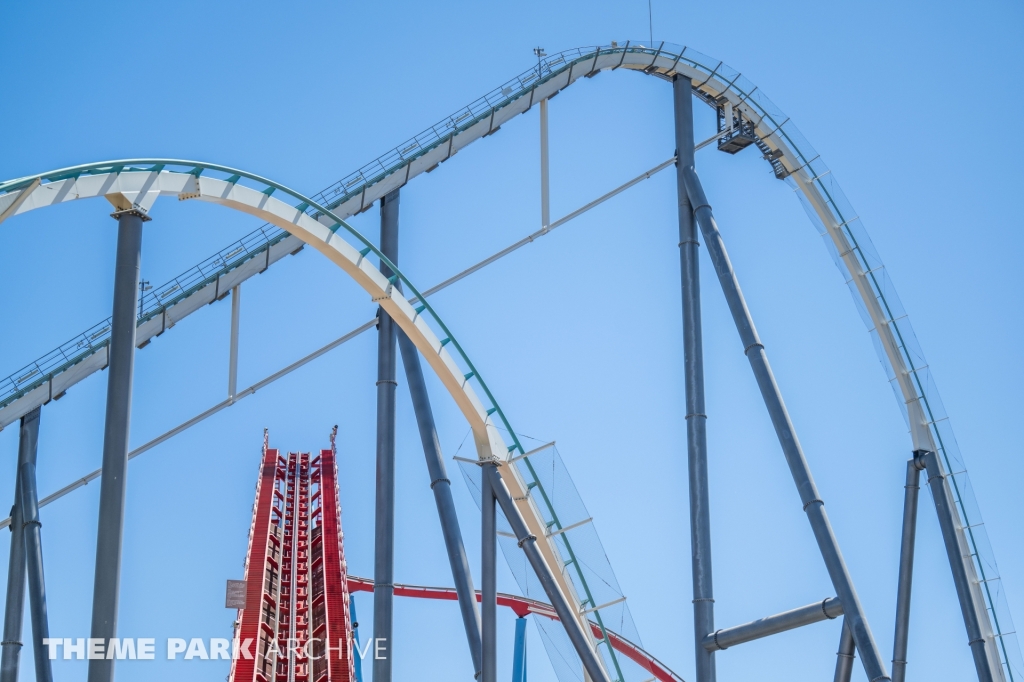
point(297, 606)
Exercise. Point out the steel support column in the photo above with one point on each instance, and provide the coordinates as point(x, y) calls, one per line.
point(236, 307)
point(442, 487)
point(357, 661)
point(14, 611)
point(384, 530)
point(945, 507)
point(120, 371)
point(528, 543)
point(34, 546)
point(693, 370)
point(906, 576)
point(489, 575)
point(813, 506)
point(845, 656)
point(519, 652)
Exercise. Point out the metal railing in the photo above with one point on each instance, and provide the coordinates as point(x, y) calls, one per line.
point(806, 158)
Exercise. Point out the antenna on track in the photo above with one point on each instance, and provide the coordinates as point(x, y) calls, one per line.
point(650, 21)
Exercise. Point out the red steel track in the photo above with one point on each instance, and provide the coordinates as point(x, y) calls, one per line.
point(522, 606)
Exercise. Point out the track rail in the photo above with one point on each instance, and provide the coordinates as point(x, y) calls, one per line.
point(791, 157)
point(523, 607)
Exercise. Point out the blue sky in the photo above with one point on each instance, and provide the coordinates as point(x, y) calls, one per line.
point(579, 334)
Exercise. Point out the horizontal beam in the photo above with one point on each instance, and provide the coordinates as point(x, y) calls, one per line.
point(85, 480)
point(828, 609)
point(542, 448)
point(570, 527)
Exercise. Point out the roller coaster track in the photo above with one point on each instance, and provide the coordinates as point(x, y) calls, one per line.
point(317, 221)
point(523, 607)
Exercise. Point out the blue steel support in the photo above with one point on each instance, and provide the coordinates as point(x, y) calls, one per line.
point(813, 505)
point(115, 436)
point(357, 662)
point(906, 575)
point(845, 656)
point(384, 530)
point(693, 370)
point(519, 652)
point(34, 548)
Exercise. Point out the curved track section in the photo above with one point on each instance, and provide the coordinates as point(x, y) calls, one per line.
point(792, 159)
point(522, 607)
point(131, 183)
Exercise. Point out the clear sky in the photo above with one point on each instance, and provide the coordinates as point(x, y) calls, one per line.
point(912, 105)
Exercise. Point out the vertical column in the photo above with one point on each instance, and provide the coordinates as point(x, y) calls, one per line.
point(442, 487)
point(489, 575)
point(528, 543)
point(545, 187)
point(355, 637)
point(693, 368)
point(958, 556)
point(906, 576)
point(33, 543)
point(236, 305)
point(121, 368)
point(384, 531)
point(813, 506)
point(519, 652)
point(15, 605)
point(14, 610)
point(845, 656)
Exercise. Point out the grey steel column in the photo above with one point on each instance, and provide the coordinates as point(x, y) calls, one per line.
point(946, 510)
point(906, 577)
point(384, 529)
point(236, 307)
point(845, 656)
point(489, 575)
point(14, 611)
point(813, 506)
point(34, 547)
point(120, 371)
point(528, 543)
point(693, 369)
point(442, 487)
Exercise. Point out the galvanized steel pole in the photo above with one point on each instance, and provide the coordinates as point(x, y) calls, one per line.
point(906, 575)
point(693, 370)
point(489, 574)
point(528, 543)
point(946, 510)
point(813, 506)
point(14, 610)
point(845, 656)
point(442, 487)
point(384, 530)
point(34, 563)
point(115, 436)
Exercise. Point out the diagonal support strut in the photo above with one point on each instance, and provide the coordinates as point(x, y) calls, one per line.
point(813, 506)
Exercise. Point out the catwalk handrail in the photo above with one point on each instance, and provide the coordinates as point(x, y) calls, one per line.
point(793, 159)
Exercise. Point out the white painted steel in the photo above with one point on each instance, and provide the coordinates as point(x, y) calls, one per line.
point(184, 186)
